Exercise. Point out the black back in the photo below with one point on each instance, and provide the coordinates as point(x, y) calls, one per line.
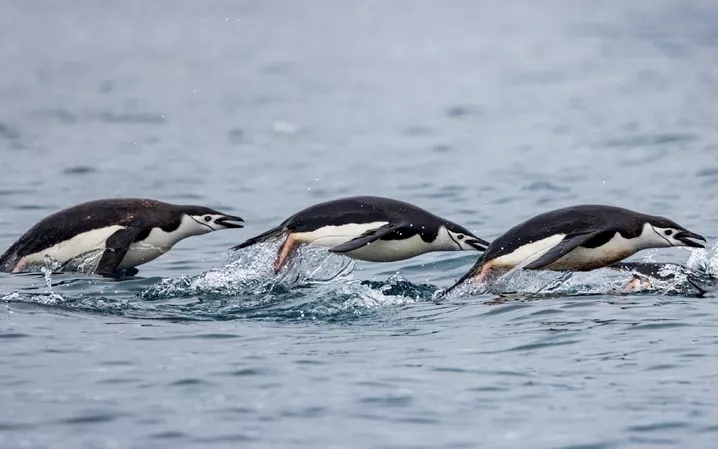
point(575, 220)
point(587, 218)
point(141, 213)
point(412, 220)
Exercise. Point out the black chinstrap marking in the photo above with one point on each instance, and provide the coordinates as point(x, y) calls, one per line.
point(201, 223)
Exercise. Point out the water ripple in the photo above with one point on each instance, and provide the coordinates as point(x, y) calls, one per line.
point(243, 288)
point(485, 112)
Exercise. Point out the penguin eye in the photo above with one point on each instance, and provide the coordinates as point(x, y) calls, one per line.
point(207, 218)
point(460, 236)
point(669, 231)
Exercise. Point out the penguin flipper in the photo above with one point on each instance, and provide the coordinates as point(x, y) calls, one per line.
point(116, 247)
point(365, 239)
point(565, 246)
point(651, 269)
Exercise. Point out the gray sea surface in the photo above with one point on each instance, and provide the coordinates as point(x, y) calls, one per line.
point(486, 113)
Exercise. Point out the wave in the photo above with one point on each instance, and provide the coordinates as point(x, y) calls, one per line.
point(316, 285)
point(698, 277)
point(319, 286)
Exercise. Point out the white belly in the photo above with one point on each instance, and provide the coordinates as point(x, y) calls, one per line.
point(90, 242)
point(138, 254)
point(330, 236)
point(581, 259)
point(391, 250)
point(616, 249)
point(157, 243)
point(87, 248)
point(527, 253)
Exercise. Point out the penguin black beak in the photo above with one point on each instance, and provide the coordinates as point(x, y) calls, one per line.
point(478, 243)
point(685, 236)
point(227, 219)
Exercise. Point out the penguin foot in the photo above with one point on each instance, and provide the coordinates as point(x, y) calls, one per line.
point(285, 251)
point(636, 284)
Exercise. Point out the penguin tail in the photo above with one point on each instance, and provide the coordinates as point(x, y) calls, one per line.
point(9, 260)
point(263, 237)
point(6, 265)
point(472, 272)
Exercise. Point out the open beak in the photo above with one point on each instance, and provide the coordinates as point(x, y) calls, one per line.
point(685, 236)
point(227, 220)
point(478, 243)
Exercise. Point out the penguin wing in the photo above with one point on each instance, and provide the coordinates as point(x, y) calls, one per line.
point(365, 238)
point(565, 246)
point(652, 269)
point(116, 247)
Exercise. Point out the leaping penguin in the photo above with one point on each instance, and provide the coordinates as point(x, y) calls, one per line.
point(577, 238)
point(128, 231)
point(644, 272)
point(369, 228)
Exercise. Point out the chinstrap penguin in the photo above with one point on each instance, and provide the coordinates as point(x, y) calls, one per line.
point(127, 231)
point(369, 228)
point(645, 273)
point(577, 238)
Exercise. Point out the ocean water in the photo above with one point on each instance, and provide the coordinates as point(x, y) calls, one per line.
point(486, 113)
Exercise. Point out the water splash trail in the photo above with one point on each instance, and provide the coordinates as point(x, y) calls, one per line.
point(319, 286)
point(698, 277)
point(316, 286)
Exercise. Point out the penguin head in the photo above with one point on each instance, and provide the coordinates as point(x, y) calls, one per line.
point(664, 232)
point(454, 237)
point(201, 220)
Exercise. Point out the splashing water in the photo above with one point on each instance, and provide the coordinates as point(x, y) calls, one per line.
point(315, 284)
point(318, 285)
point(250, 272)
point(647, 277)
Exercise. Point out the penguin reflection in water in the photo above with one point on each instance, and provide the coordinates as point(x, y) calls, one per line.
point(127, 232)
point(577, 238)
point(368, 228)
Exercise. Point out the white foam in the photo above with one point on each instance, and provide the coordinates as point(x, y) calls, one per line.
point(601, 281)
point(252, 271)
